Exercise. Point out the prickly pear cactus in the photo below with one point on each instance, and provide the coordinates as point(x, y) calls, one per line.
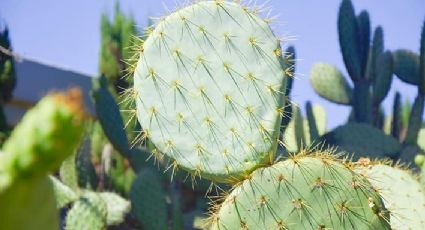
point(304, 192)
point(116, 206)
point(330, 84)
point(64, 195)
point(401, 192)
point(51, 131)
point(88, 213)
point(209, 86)
point(148, 200)
point(362, 140)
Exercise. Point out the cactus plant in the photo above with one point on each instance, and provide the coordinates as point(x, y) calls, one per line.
point(362, 140)
point(148, 200)
point(410, 68)
point(220, 99)
point(88, 213)
point(51, 130)
point(401, 192)
point(303, 192)
point(370, 68)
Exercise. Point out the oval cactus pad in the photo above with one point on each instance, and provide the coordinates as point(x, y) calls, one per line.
point(209, 88)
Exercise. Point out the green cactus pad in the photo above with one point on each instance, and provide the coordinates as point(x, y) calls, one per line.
point(363, 23)
point(148, 200)
point(422, 62)
point(209, 89)
point(116, 206)
point(349, 40)
point(88, 213)
point(406, 66)
point(362, 140)
point(317, 122)
point(294, 137)
point(304, 192)
point(109, 116)
point(421, 138)
point(330, 84)
point(401, 193)
point(63, 194)
point(383, 77)
point(51, 130)
point(28, 205)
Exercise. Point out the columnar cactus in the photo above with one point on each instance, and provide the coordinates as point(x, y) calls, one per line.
point(209, 88)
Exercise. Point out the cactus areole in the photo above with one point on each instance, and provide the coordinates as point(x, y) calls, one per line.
point(209, 88)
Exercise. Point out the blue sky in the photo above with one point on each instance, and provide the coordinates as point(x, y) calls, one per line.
point(67, 33)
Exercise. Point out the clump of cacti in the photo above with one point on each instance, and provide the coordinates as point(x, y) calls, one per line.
point(210, 90)
point(369, 67)
point(303, 192)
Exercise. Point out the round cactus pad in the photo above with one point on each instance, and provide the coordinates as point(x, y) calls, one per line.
point(402, 195)
point(302, 193)
point(209, 88)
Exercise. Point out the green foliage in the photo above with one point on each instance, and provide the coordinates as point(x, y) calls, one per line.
point(148, 200)
point(7, 68)
point(330, 84)
point(7, 76)
point(303, 192)
point(188, 96)
point(116, 44)
point(401, 192)
point(362, 140)
point(396, 124)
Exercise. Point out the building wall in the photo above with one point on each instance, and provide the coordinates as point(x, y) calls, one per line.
point(35, 79)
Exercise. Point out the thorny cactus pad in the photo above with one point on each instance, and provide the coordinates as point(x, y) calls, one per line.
point(401, 193)
point(303, 192)
point(209, 88)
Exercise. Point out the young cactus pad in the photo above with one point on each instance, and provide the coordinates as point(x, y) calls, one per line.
point(209, 89)
point(402, 195)
point(304, 192)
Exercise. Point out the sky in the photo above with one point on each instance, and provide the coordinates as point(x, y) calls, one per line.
point(67, 34)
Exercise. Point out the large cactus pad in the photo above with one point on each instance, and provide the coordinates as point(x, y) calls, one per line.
point(209, 86)
point(305, 192)
point(402, 195)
